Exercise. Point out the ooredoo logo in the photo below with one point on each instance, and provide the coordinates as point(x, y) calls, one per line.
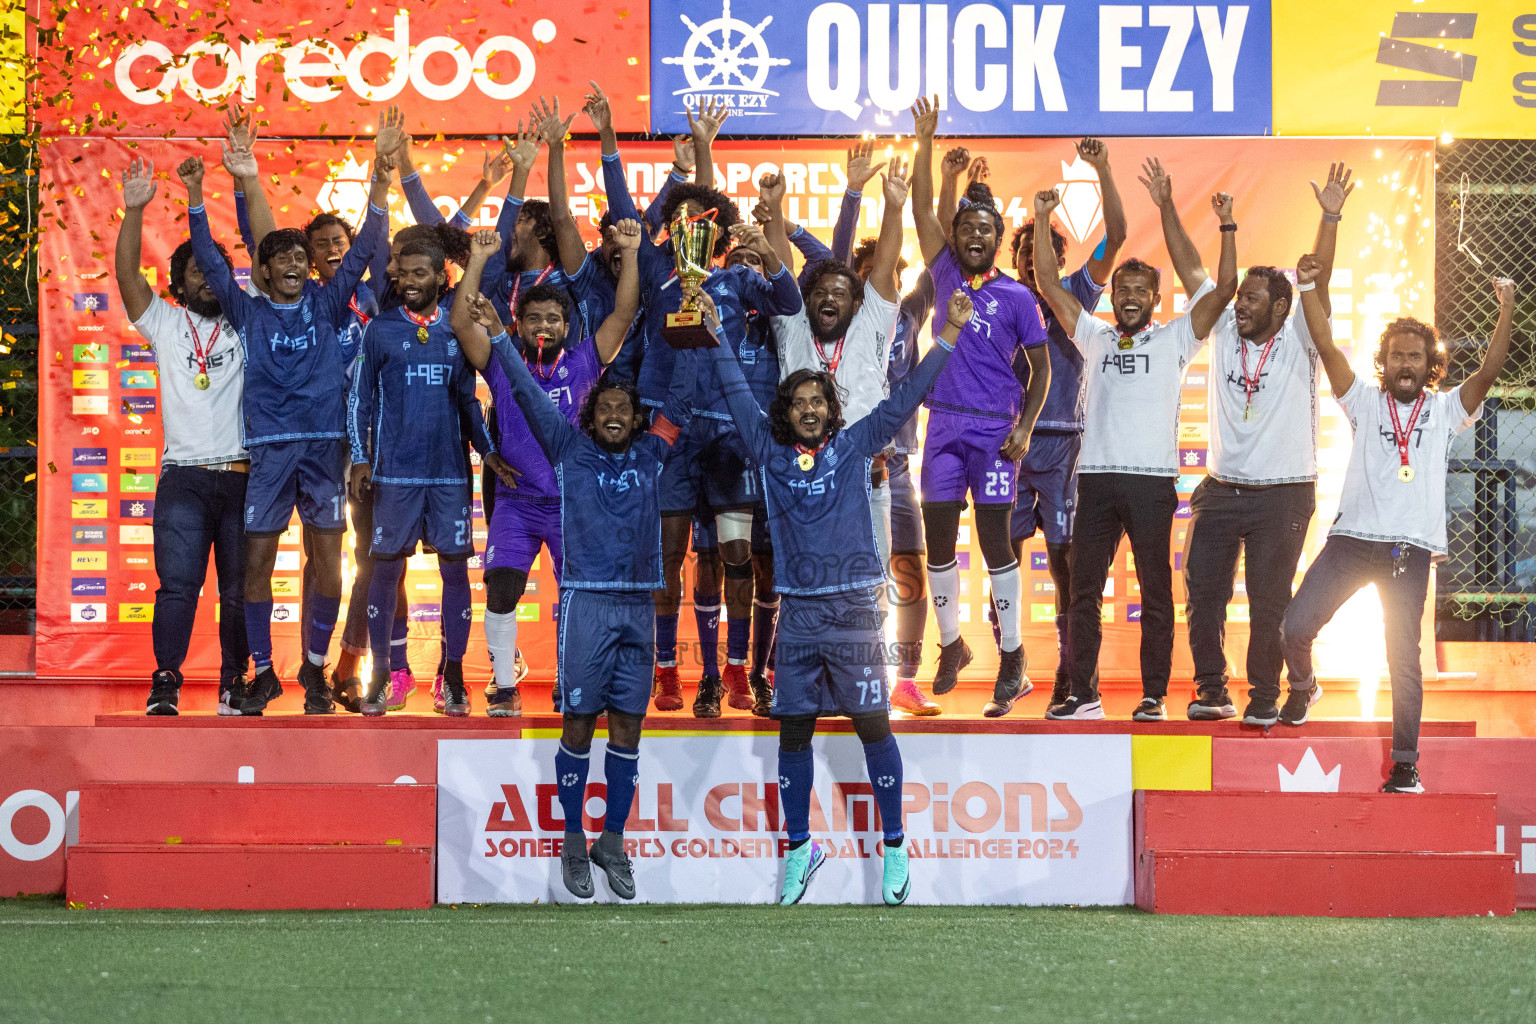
point(58, 823)
point(315, 69)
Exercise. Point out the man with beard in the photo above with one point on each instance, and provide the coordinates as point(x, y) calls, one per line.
point(295, 416)
point(1391, 521)
point(609, 469)
point(1047, 486)
point(1135, 369)
point(814, 473)
point(407, 456)
point(526, 518)
point(1261, 487)
point(200, 496)
point(979, 418)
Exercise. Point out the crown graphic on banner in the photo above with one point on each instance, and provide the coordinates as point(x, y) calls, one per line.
point(1309, 776)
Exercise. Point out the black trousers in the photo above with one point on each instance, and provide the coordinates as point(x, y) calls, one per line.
point(1111, 506)
point(198, 510)
point(1268, 525)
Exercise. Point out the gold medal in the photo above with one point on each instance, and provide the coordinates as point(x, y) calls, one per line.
point(1405, 474)
point(1248, 411)
point(806, 461)
point(202, 381)
point(421, 335)
point(1125, 342)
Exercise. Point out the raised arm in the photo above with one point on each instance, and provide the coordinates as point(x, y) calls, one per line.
point(779, 294)
point(1475, 388)
point(232, 300)
point(871, 434)
point(621, 205)
point(1331, 198)
point(750, 421)
point(882, 270)
point(572, 250)
point(950, 168)
point(127, 258)
point(610, 334)
point(252, 212)
point(1205, 312)
point(1186, 258)
point(682, 165)
point(555, 436)
point(930, 235)
point(1063, 304)
point(336, 297)
point(860, 171)
point(1341, 376)
point(483, 246)
point(1102, 265)
point(704, 128)
point(769, 213)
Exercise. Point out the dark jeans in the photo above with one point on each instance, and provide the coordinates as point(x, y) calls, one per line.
point(197, 509)
point(1344, 566)
point(1268, 525)
point(1110, 506)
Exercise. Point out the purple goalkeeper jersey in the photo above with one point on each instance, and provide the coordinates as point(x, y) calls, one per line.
point(566, 384)
point(979, 380)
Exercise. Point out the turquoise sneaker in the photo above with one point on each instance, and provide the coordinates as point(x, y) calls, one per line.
point(897, 885)
point(799, 866)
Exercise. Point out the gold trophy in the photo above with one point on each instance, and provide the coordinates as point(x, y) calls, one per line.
point(693, 243)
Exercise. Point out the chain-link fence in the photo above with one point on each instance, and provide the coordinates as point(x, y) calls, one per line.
point(18, 385)
point(1485, 206)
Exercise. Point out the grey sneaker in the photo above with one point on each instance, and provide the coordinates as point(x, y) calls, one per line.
point(376, 699)
point(576, 866)
point(1151, 709)
point(608, 854)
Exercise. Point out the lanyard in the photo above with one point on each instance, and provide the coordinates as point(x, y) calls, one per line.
point(422, 322)
point(538, 362)
point(1405, 473)
point(352, 305)
point(517, 287)
point(980, 280)
point(1251, 384)
point(830, 365)
point(201, 352)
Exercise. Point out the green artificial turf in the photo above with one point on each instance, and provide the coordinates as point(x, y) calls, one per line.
point(732, 963)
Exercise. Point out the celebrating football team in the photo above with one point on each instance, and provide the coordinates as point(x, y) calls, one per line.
point(717, 379)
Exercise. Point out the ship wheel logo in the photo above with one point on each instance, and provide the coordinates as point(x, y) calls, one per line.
point(727, 55)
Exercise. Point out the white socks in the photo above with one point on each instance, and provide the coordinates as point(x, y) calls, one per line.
point(501, 642)
point(1006, 593)
point(944, 587)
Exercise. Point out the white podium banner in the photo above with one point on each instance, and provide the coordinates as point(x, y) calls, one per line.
point(988, 819)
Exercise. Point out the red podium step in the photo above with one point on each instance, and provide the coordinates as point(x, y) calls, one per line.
point(1320, 854)
point(253, 847)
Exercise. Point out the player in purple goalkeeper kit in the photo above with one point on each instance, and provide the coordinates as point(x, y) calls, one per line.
point(979, 417)
point(527, 517)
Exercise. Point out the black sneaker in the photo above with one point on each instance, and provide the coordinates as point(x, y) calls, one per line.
point(1076, 709)
point(232, 693)
point(263, 690)
point(1262, 713)
point(1060, 691)
point(608, 854)
point(455, 696)
point(576, 866)
point(1212, 706)
point(1011, 684)
point(762, 694)
point(317, 692)
point(1404, 779)
point(1298, 704)
point(707, 703)
point(1150, 709)
point(347, 693)
point(376, 698)
point(164, 690)
point(952, 658)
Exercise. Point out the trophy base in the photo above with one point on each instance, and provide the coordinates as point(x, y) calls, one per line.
point(688, 330)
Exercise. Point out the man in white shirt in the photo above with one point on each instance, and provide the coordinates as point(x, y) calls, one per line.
point(200, 497)
point(1133, 371)
point(1391, 521)
point(1261, 491)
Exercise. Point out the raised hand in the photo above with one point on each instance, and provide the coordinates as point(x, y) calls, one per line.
point(483, 312)
point(190, 171)
point(1095, 152)
point(763, 214)
point(1307, 269)
point(979, 171)
point(925, 118)
point(860, 166)
point(484, 244)
point(1332, 195)
point(771, 188)
point(383, 166)
point(893, 183)
point(138, 184)
point(391, 132)
point(598, 109)
point(1046, 200)
point(751, 236)
point(960, 309)
point(494, 166)
point(627, 235)
point(706, 126)
point(240, 163)
point(1504, 288)
point(1159, 185)
point(240, 127)
point(682, 153)
point(550, 128)
point(1221, 205)
point(955, 162)
point(523, 151)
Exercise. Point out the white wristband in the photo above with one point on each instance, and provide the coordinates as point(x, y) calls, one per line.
point(1306, 287)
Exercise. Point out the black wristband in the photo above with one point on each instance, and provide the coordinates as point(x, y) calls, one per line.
point(1229, 227)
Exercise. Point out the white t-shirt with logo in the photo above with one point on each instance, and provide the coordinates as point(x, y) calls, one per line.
point(1376, 505)
point(1131, 422)
point(1277, 442)
point(201, 427)
point(861, 371)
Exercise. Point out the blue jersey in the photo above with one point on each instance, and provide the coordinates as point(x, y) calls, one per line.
point(364, 307)
point(408, 400)
point(610, 515)
point(295, 361)
point(819, 518)
point(760, 360)
point(1063, 408)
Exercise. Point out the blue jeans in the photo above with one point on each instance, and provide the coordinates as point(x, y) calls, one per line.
point(1344, 566)
point(197, 509)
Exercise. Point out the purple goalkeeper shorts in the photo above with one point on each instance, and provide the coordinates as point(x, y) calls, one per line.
point(960, 454)
point(518, 529)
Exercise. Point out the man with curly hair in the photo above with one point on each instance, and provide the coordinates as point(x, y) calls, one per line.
point(1391, 521)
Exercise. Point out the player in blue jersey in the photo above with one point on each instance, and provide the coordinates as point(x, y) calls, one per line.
point(831, 655)
point(526, 515)
point(609, 468)
point(1047, 491)
point(295, 417)
point(979, 418)
point(403, 419)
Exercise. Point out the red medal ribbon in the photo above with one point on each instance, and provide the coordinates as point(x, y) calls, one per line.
point(538, 363)
point(812, 452)
point(352, 305)
point(980, 281)
point(1398, 433)
point(200, 352)
point(830, 365)
point(422, 321)
point(1251, 384)
point(517, 287)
